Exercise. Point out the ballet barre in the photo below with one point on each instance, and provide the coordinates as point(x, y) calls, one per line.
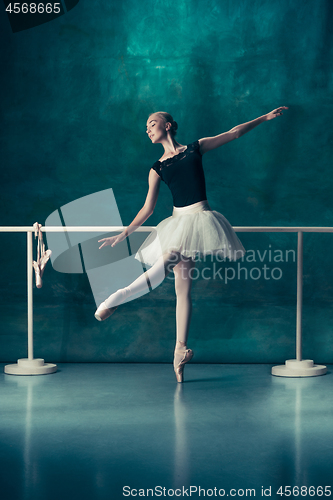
point(31, 365)
point(292, 368)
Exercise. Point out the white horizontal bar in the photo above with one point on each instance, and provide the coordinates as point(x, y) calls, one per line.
point(16, 229)
point(108, 229)
point(282, 229)
point(96, 229)
point(75, 229)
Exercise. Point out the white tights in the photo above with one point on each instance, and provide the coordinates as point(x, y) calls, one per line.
point(156, 275)
point(183, 285)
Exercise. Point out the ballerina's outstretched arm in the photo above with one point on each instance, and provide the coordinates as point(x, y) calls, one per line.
point(146, 211)
point(209, 143)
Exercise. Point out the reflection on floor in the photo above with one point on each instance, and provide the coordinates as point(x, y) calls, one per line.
point(90, 430)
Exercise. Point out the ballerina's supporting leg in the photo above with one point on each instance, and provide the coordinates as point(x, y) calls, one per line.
point(153, 277)
point(183, 285)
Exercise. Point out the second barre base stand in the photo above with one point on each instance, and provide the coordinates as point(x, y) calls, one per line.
point(294, 368)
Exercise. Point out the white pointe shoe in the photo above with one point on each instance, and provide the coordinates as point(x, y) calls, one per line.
point(179, 369)
point(39, 267)
point(104, 312)
point(44, 259)
point(39, 281)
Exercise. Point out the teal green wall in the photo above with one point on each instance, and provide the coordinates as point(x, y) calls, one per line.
point(75, 96)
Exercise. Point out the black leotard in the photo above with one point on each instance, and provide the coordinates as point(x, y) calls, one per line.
point(184, 175)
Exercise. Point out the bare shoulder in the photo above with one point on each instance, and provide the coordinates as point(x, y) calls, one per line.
point(153, 176)
point(202, 143)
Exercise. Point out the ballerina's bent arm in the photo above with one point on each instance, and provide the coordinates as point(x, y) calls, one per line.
point(209, 143)
point(146, 211)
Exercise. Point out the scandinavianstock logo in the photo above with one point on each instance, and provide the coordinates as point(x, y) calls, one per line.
point(254, 265)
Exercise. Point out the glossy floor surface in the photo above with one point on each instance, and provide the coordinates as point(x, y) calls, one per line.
point(90, 430)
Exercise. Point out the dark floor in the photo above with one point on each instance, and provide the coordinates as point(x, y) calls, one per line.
point(89, 430)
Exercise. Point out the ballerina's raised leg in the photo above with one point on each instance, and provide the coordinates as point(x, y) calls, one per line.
point(183, 285)
point(153, 277)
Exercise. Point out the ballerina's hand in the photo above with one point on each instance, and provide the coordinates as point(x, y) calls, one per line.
point(276, 112)
point(113, 240)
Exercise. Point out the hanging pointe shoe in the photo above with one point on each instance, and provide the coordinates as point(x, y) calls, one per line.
point(39, 282)
point(179, 369)
point(44, 259)
point(104, 312)
point(42, 256)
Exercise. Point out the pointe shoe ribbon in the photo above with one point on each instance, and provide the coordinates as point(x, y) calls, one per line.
point(179, 369)
point(104, 312)
point(42, 256)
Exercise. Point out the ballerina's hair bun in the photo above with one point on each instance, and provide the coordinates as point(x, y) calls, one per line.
point(168, 119)
point(174, 127)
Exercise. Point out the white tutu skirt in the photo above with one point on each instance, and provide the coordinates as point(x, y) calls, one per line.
point(192, 230)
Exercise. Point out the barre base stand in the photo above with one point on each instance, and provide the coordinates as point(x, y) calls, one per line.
point(294, 368)
point(27, 366)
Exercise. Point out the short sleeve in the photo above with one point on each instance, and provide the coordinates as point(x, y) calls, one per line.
point(196, 146)
point(157, 168)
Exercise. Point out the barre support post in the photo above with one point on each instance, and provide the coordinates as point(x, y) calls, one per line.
point(30, 366)
point(30, 297)
point(299, 367)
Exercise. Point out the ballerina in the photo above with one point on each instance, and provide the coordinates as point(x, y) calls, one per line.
point(192, 229)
